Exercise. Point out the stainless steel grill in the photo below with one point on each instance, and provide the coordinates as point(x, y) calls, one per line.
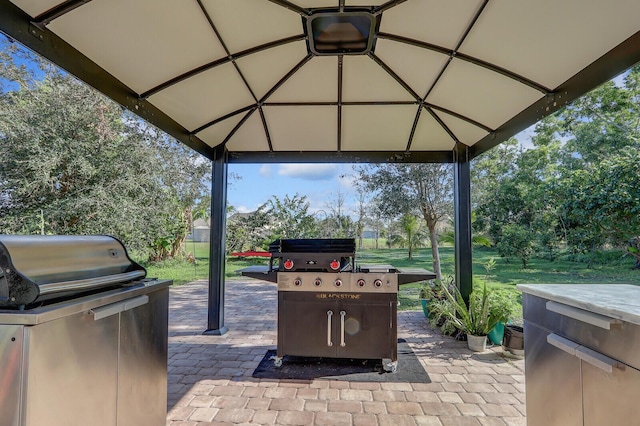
point(39, 268)
point(83, 334)
point(330, 307)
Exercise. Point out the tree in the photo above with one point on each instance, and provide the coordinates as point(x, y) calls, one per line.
point(426, 189)
point(72, 162)
point(599, 189)
point(248, 231)
point(516, 241)
point(606, 197)
point(579, 186)
point(340, 225)
point(477, 239)
point(184, 176)
point(361, 216)
point(290, 217)
point(411, 228)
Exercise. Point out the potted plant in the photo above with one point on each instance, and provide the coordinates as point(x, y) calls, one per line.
point(476, 320)
point(501, 303)
point(440, 312)
point(425, 295)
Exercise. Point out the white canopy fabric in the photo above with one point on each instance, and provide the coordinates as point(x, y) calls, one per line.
point(242, 73)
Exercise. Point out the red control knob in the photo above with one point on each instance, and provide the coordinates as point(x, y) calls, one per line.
point(288, 264)
point(297, 282)
point(338, 282)
point(360, 282)
point(378, 283)
point(335, 265)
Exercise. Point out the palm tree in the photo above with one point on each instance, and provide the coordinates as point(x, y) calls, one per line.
point(413, 233)
point(477, 238)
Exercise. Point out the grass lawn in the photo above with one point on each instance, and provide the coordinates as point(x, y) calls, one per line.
point(610, 267)
point(182, 272)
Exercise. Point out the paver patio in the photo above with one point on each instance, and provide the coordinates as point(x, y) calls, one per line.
point(210, 380)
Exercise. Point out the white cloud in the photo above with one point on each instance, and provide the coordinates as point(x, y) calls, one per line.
point(308, 171)
point(244, 209)
point(347, 182)
point(266, 171)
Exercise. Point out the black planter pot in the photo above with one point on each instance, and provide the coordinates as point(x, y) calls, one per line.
point(513, 340)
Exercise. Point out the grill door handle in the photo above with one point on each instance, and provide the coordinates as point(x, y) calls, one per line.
point(594, 358)
point(597, 359)
point(342, 315)
point(116, 308)
point(563, 344)
point(329, 315)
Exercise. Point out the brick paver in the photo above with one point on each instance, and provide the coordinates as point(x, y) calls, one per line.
point(210, 377)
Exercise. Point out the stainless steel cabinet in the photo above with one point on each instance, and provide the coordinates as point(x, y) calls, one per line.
point(553, 385)
point(99, 360)
point(71, 373)
point(581, 368)
point(610, 398)
point(11, 349)
point(142, 363)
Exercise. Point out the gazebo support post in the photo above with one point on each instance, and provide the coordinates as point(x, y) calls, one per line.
point(215, 323)
point(462, 217)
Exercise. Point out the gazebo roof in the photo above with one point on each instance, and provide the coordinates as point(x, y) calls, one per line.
point(300, 80)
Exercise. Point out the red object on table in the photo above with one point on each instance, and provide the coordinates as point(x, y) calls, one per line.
point(251, 254)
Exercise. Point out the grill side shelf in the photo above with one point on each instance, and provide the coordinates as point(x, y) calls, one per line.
point(413, 275)
point(260, 272)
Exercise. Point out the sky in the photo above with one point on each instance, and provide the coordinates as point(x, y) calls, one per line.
point(321, 183)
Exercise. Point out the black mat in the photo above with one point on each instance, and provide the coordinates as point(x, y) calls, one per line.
point(354, 370)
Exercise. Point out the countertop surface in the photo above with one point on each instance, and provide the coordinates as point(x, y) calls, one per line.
point(84, 304)
point(620, 301)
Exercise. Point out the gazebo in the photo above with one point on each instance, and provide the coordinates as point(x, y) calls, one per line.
point(280, 81)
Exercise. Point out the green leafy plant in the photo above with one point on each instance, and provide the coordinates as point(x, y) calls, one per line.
point(502, 304)
point(437, 287)
point(426, 291)
point(440, 312)
point(477, 319)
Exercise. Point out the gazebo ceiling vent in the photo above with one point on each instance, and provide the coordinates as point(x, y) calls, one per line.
point(340, 33)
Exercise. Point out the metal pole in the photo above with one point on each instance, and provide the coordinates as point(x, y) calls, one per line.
point(462, 216)
point(215, 324)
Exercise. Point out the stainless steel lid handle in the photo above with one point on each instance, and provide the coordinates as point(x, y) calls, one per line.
point(329, 315)
point(342, 315)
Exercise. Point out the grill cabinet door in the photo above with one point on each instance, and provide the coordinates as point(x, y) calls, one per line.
point(142, 371)
point(304, 327)
point(553, 385)
point(369, 329)
point(72, 372)
point(11, 341)
point(610, 398)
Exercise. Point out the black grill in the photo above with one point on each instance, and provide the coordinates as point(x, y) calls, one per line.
point(313, 255)
point(328, 307)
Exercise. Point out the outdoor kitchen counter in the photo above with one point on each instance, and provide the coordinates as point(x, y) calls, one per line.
point(85, 304)
point(619, 301)
point(582, 353)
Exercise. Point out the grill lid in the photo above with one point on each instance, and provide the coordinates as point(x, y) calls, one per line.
point(315, 254)
point(314, 245)
point(35, 268)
